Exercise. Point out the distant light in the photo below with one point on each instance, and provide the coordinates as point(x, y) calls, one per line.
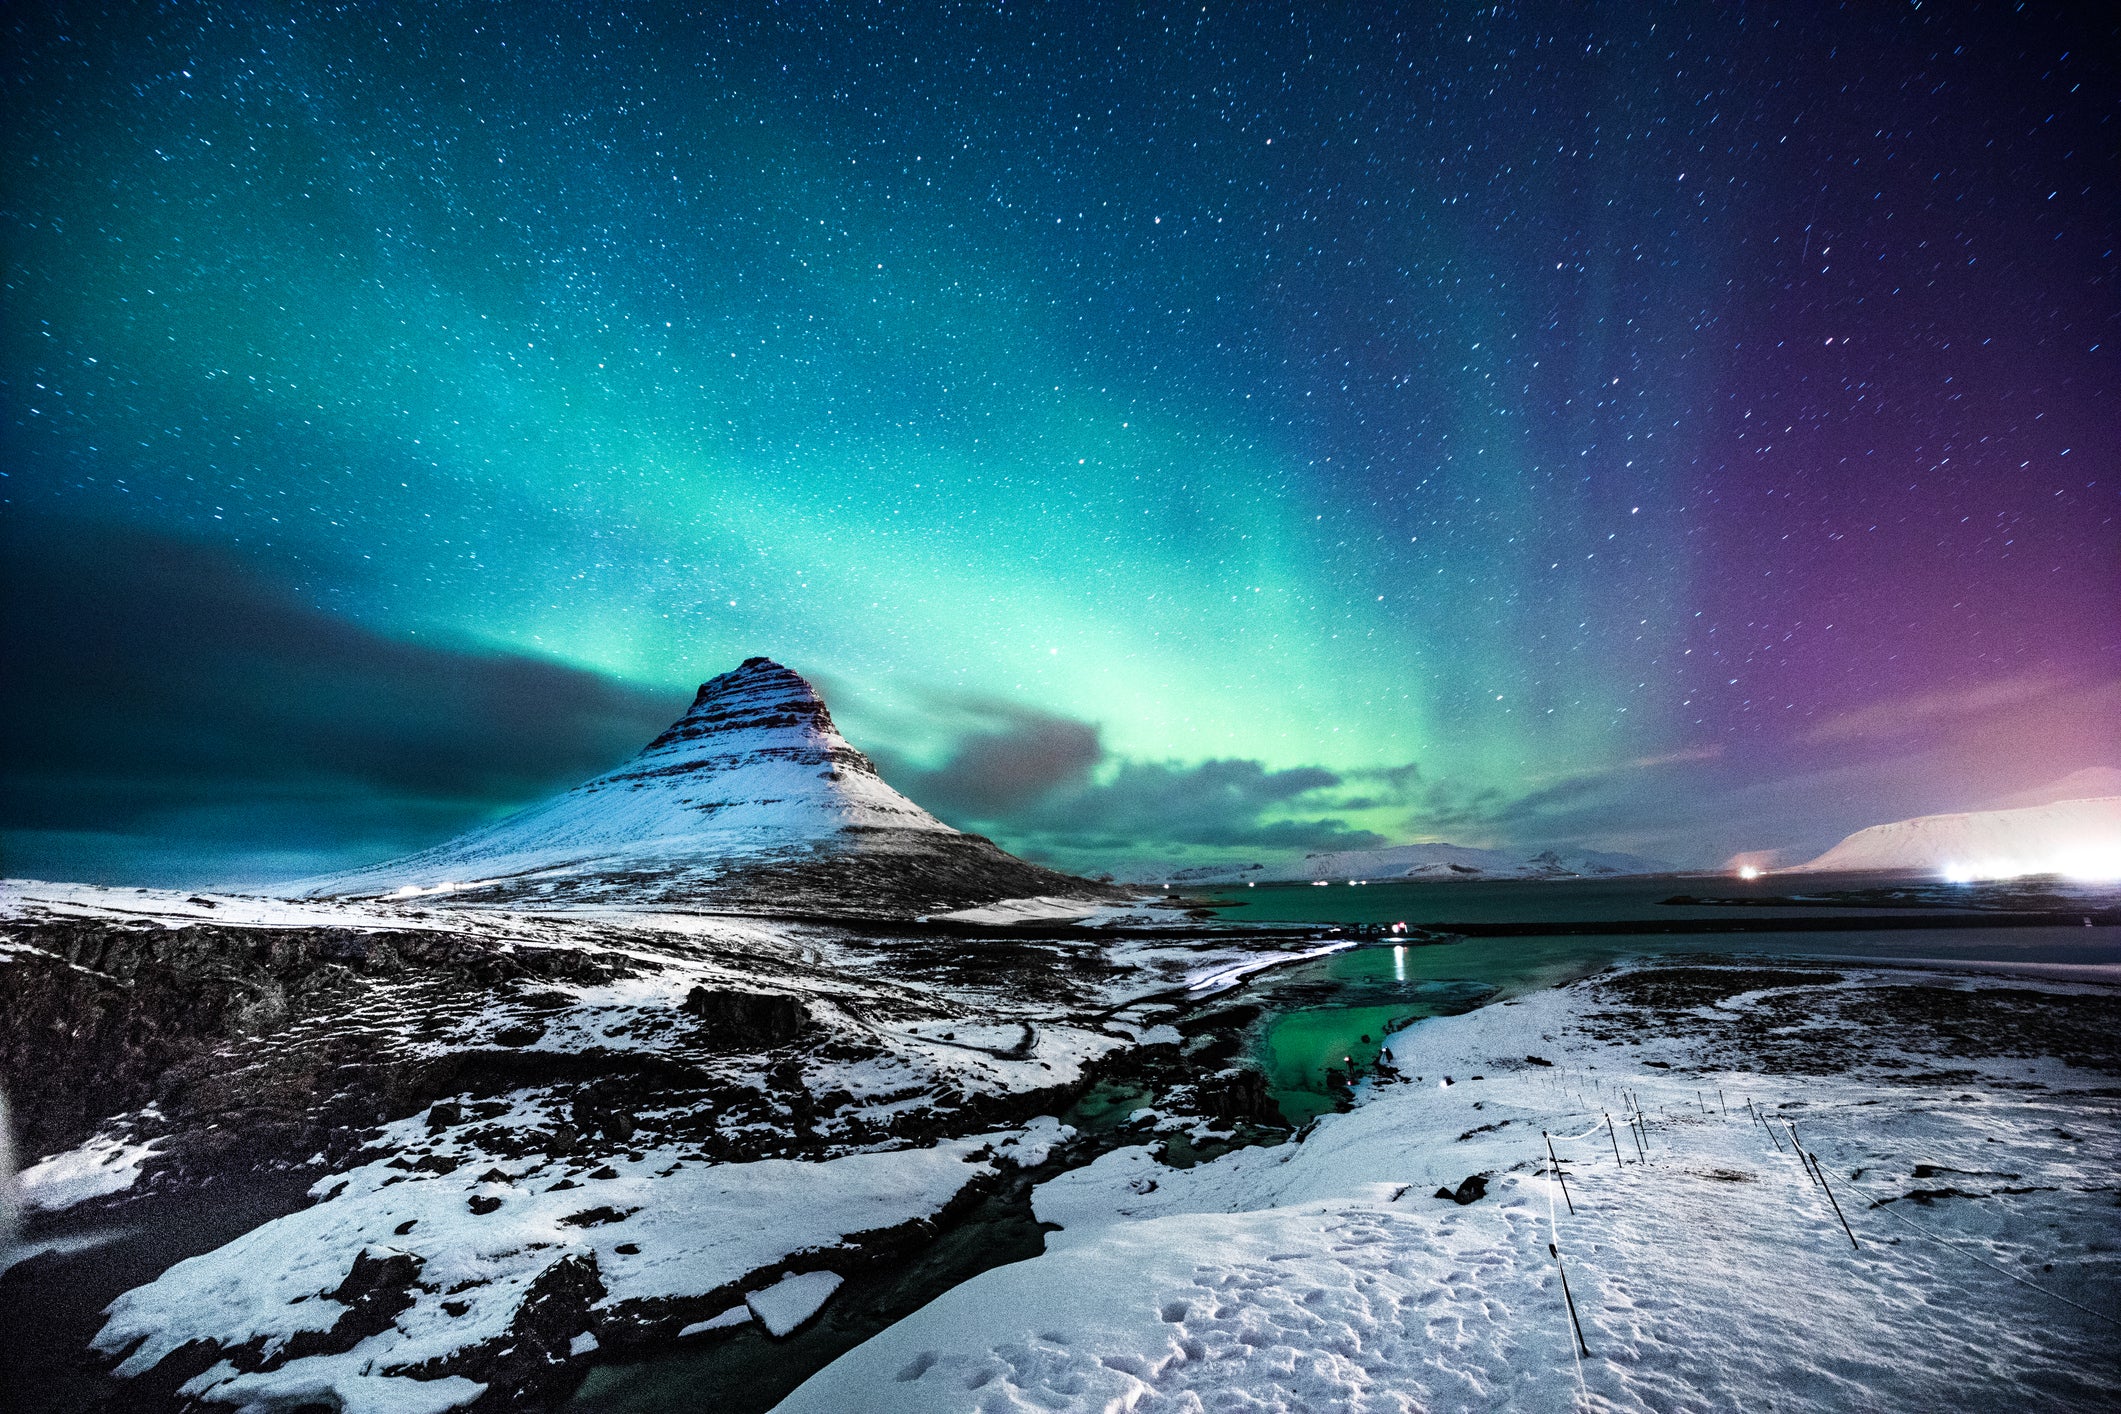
point(1748, 871)
point(2093, 862)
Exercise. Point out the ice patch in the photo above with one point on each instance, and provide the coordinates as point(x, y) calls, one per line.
point(333, 1382)
point(1036, 1144)
point(792, 1300)
point(734, 1316)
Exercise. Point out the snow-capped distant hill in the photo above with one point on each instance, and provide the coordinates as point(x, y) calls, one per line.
point(2069, 837)
point(752, 798)
point(1421, 861)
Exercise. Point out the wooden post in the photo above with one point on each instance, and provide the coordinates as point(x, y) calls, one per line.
point(1558, 1178)
point(1798, 1149)
point(1618, 1162)
point(1569, 1297)
point(1820, 1169)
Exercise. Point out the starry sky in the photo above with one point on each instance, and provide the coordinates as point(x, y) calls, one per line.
point(1176, 433)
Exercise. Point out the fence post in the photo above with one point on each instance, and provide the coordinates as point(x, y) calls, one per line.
point(1821, 1171)
point(1558, 1178)
point(1569, 1297)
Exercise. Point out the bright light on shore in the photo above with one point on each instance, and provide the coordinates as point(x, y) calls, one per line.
point(1748, 871)
point(2098, 862)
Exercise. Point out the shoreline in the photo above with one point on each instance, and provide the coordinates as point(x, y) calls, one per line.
point(1710, 1266)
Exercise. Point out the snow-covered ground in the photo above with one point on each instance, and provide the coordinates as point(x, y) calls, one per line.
point(1709, 1269)
point(606, 1150)
point(35, 900)
point(658, 1227)
point(1039, 909)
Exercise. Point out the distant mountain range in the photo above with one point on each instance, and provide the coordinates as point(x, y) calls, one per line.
point(1417, 861)
point(752, 800)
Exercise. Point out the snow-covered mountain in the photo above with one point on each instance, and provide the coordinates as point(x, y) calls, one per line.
point(2081, 837)
point(1420, 861)
point(752, 799)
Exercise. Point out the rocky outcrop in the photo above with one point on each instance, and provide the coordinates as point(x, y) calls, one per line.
point(1239, 1094)
point(104, 1018)
point(747, 1019)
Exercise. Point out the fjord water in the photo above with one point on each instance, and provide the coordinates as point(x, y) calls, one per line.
point(1334, 1013)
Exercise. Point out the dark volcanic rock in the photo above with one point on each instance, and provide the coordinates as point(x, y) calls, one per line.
point(747, 1019)
point(103, 1017)
point(1472, 1190)
point(1239, 1093)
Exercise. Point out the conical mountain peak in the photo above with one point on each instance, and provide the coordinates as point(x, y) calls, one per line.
point(760, 695)
point(752, 796)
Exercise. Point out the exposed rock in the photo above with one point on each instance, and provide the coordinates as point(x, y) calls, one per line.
point(1239, 1093)
point(747, 1019)
point(1472, 1190)
point(104, 1017)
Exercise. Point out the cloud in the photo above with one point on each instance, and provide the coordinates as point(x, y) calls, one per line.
point(1008, 760)
point(1044, 783)
point(167, 700)
point(1925, 711)
point(1686, 755)
point(1223, 802)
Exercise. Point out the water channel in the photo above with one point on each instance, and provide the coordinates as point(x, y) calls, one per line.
point(1329, 1013)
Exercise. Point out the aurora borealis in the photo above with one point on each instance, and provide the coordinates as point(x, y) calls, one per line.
point(1162, 432)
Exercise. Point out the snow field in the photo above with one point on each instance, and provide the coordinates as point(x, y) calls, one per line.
point(1325, 1274)
point(663, 1228)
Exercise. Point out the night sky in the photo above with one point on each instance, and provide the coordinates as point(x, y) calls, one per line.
point(1175, 433)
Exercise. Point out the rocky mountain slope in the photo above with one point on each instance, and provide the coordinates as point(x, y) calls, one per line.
point(2080, 837)
point(751, 801)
